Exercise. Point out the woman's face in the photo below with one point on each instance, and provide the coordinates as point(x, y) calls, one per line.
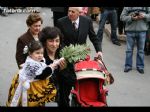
point(35, 28)
point(37, 55)
point(53, 44)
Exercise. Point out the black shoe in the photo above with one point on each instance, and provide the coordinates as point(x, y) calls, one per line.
point(140, 71)
point(117, 43)
point(127, 69)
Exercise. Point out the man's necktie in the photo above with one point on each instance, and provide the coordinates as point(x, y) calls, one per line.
point(74, 25)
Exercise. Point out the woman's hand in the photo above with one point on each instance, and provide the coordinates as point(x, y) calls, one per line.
point(63, 64)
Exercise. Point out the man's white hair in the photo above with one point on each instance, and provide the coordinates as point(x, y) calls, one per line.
point(78, 8)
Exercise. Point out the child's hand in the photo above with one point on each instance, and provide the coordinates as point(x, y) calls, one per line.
point(53, 66)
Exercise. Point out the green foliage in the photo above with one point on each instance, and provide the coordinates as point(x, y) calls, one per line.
point(74, 53)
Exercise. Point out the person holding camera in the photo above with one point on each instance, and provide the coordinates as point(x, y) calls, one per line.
point(136, 25)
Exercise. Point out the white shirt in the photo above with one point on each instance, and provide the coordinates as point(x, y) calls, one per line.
point(76, 22)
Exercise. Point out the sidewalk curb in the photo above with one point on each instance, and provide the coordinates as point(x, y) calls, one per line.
point(107, 30)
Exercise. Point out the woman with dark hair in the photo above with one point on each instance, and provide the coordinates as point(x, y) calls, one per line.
point(51, 38)
point(33, 86)
point(43, 89)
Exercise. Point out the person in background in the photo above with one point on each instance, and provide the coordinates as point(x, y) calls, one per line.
point(136, 25)
point(120, 23)
point(3, 11)
point(84, 11)
point(75, 29)
point(34, 23)
point(109, 13)
point(58, 12)
point(147, 42)
point(94, 12)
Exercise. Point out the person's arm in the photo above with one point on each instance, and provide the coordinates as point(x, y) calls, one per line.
point(125, 16)
point(48, 71)
point(20, 57)
point(96, 41)
point(145, 15)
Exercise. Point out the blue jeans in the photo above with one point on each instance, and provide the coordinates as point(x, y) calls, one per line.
point(111, 16)
point(139, 38)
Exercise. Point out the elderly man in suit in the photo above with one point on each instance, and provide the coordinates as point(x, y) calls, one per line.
point(75, 29)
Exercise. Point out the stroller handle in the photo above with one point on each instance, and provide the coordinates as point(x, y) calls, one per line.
point(110, 78)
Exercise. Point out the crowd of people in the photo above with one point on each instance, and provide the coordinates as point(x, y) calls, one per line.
point(40, 80)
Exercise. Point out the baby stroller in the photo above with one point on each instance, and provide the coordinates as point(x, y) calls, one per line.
point(89, 88)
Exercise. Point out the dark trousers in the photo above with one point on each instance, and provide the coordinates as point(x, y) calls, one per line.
point(121, 25)
point(66, 81)
point(147, 43)
point(63, 94)
point(110, 15)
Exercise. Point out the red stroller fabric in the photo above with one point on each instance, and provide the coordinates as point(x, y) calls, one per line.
point(89, 90)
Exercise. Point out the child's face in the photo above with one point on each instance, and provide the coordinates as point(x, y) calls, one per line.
point(37, 55)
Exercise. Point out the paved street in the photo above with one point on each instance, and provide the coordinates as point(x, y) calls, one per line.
point(129, 89)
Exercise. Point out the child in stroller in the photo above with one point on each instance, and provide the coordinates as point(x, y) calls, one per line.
point(89, 89)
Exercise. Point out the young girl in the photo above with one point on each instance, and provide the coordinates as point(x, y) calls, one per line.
point(27, 89)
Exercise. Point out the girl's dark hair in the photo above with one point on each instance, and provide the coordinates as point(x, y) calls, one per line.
point(50, 33)
point(34, 45)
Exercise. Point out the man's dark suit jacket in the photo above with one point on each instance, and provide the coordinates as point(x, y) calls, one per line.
point(85, 29)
